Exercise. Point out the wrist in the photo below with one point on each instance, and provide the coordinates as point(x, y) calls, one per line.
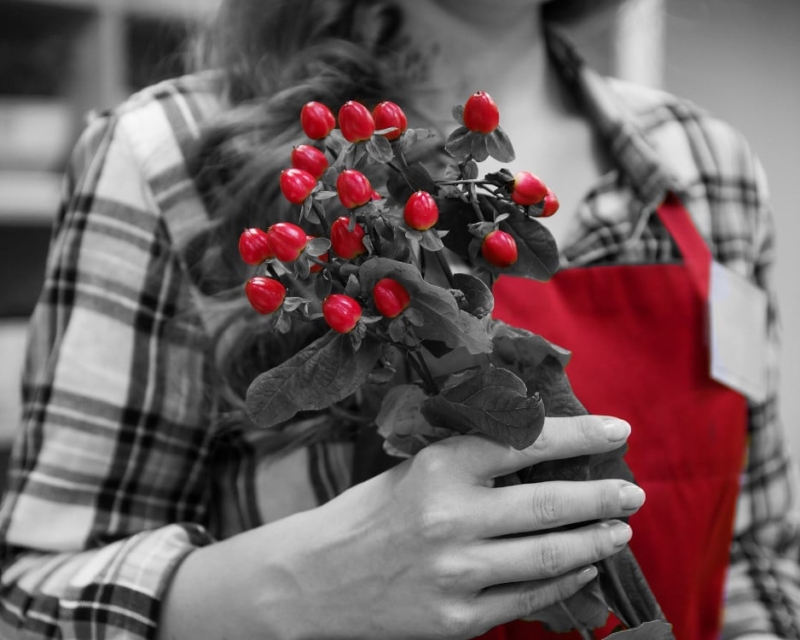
point(238, 589)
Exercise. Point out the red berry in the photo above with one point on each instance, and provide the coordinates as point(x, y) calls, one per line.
point(254, 246)
point(316, 268)
point(345, 243)
point(421, 211)
point(309, 159)
point(391, 297)
point(376, 195)
point(551, 204)
point(317, 120)
point(528, 189)
point(341, 312)
point(356, 122)
point(286, 240)
point(297, 184)
point(499, 248)
point(353, 188)
point(265, 294)
point(481, 113)
point(388, 114)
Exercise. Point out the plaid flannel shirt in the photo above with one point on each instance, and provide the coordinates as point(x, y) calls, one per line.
point(117, 473)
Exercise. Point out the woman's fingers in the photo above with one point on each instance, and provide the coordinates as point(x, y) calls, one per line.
point(484, 459)
point(547, 555)
point(546, 505)
point(513, 601)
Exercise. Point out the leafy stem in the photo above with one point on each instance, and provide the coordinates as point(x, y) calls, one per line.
point(626, 612)
point(419, 365)
point(586, 634)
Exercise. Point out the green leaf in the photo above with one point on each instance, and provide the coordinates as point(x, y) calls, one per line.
point(443, 320)
point(633, 599)
point(431, 241)
point(494, 402)
point(459, 142)
point(655, 630)
point(499, 146)
point(480, 147)
point(458, 113)
point(478, 296)
point(413, 177)
point(538, 254)
point(323, 373)
point(401, 423)
point(379, 149)
point(586, 608)
point(520, 347)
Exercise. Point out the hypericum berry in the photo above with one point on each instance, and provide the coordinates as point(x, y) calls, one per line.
point(551, 204)
point(528, 189)
point(317, 120)
point(391, 297)
point(297, 184)
point(376, 196)
point(421, 211)
point(254, 246)
point(264, 294)
point(341, 312)
point(353, 188)
point(356, 122)
point(309, 159)
point(388, 114)
point(316, 268)
point(286, 240)
point(499, 248)
point(345, 243)
point(481, 113)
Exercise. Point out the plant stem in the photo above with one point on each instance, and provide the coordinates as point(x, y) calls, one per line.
point(420, 366)
point(586, 634)
point(476, 207)
point(448, 273)
point(627, 614)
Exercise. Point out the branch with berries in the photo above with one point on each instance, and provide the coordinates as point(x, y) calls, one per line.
point(397, 264)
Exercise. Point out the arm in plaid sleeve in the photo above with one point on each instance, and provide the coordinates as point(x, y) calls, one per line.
point(114, 437)
point(763, 590)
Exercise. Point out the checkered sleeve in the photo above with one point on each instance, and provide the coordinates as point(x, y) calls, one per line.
point(112, 451)
point(763, 590)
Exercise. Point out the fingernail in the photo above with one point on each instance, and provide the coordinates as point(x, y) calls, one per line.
point(616, 430)
point(631, 497)
point(620, 532)
point(587, 573)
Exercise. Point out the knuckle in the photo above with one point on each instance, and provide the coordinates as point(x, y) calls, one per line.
point(547, 507)
point(607, 500)
point(551, 558)
point(436, 523)
point(586, 431)
point(447, 574)
point(530, 599)
point(432, 460)
point(602, 543)
point(456, 620)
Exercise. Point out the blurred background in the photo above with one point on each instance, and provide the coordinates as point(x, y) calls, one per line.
point(60, 59)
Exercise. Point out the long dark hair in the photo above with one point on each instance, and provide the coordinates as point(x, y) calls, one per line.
point(273, 56)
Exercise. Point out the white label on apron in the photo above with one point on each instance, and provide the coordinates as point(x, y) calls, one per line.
point(738, 315)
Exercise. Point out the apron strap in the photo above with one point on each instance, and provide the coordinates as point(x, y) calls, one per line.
point(694, 250)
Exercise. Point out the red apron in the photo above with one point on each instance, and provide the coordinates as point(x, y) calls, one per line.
point(639, 351)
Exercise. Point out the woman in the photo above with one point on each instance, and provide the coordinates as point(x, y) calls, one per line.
point(138, 509)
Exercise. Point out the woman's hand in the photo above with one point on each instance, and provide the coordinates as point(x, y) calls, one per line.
point(428, 549)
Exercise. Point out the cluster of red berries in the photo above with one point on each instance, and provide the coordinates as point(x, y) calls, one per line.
point(287, 242)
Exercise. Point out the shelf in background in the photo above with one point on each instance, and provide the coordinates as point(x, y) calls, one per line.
point(13, 335)
point(28, 198)
point(182, 9)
